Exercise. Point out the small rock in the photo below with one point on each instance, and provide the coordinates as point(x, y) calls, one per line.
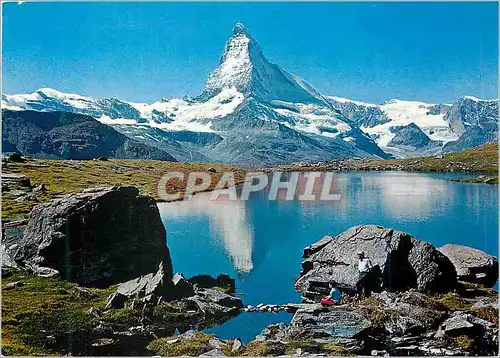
point(188, 334)
point(93, 312)
point(16, 158)
point(216, 343)
point(236, 345)
point(486, 302)
point(27, 197)
point(41, 188)
point(376, 353)
point(12, 285)
point(101, 342)
point(213, 353)
point(46, 272)
point(85, 292)
point(17, 192)
point(212, 170)
point(172, 341)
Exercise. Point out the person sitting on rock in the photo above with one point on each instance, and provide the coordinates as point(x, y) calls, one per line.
point(333, 298)
point(364, 268)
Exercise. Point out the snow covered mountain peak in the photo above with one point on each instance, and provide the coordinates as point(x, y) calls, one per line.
point(244, 66)
point(235, 66)
point(239, 29)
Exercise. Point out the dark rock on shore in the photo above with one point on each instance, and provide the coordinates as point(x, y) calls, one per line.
point(404, 262)
point(206, 281)
point(182, 287)
point(99, 237)
point(472, 265)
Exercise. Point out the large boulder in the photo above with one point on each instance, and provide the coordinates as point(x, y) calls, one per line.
point(99, 237)
point(472, 265)
point(403, 261)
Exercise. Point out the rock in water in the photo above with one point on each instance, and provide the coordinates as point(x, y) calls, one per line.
point(99, 237)
point(404, 261)
point(472, 265)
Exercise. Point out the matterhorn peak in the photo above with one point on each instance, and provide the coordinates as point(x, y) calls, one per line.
point(239, 29)
point(243, 66)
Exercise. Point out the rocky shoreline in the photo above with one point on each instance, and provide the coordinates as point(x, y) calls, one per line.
point(70, 287)
point(482, 160)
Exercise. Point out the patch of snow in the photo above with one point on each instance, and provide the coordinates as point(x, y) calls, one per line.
point(346, 100)
point(312, 118)
point(8, 106)
point(403, 113)
point(475, 99)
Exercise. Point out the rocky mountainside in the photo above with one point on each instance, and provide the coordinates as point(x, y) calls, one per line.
point(254, 113)
point(65, 135)
point(411, 128)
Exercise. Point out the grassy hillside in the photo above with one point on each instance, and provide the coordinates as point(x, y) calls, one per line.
point(72, 176)
point(483, 159)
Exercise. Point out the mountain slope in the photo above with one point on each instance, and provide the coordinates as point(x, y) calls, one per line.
point(64, 135)
point(450, 127)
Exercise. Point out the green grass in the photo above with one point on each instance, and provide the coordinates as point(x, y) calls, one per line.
point(50, 307)
point(44, 307)
point(483, 159)
point(72, 176)
point(372, 308)
point(453, 301)
point(263, 349)
point(183, 347)
point(272, 348)
point(465, 342)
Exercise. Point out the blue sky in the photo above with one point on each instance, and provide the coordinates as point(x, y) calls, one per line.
point(433, 52)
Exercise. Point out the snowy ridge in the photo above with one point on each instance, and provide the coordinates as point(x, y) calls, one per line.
point(403, 113)
point(475, 99)
point(346, 100)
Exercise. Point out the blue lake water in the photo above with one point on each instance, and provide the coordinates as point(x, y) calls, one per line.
point(259, 242)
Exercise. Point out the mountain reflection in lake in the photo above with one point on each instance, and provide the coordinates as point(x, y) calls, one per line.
point(259, 242)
